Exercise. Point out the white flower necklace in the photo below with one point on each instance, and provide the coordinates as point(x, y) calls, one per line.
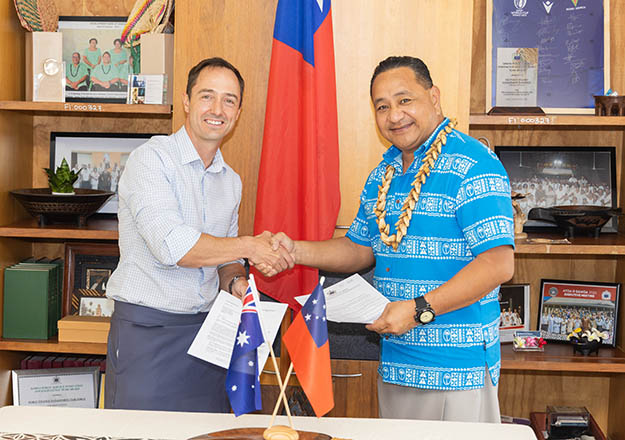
point(411, 200)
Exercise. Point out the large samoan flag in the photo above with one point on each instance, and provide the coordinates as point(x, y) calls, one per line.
point(298, 181)
point(309, 348)
point(242, 383)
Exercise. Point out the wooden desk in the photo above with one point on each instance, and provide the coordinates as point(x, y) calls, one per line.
point(180, 425)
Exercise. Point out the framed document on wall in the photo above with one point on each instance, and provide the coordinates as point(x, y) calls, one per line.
point(547, 53)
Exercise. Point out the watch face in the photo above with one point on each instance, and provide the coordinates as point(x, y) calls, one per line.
point(426, 316)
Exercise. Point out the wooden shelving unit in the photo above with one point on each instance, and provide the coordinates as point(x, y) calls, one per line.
point(85, 108)
point(96, 229)
point(542, 244)
point(560, 357)
point(544, 121)
point(52, 346)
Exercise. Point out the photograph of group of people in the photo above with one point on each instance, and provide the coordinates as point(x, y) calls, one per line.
point(558, 321)
point(98, 170)
point(555, 176)
point(93, 69)
point(514, 306)
point(97, 64)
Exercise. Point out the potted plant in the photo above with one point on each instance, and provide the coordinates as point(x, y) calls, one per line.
point(62, 181)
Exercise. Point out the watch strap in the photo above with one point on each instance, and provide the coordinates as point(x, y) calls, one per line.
point(232, 281)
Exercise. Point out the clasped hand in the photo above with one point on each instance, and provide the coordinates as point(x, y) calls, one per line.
point(272, 254)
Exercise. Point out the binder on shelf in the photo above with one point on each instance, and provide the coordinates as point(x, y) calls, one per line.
point(30, 309)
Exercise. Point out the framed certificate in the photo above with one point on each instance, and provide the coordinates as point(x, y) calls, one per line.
point(71, 387)
point(551, 54)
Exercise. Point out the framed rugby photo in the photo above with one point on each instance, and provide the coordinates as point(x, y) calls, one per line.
point(568, 305)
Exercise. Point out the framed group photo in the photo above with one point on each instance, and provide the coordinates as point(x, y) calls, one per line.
point(88, 267)
point(96, 63)
point(568, 305)
point(514, 303)
point(100, 157)
point(561, 176)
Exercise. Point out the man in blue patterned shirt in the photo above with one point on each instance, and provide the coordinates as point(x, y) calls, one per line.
point(436, 219)
point(179, 244)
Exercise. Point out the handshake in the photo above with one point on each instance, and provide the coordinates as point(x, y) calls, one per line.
point(271, 253)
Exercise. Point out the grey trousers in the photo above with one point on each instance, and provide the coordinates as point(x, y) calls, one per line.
point(147, 365)
point(399, 402)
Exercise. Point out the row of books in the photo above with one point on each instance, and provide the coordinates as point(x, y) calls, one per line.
point(33, 293)
point(37, 362)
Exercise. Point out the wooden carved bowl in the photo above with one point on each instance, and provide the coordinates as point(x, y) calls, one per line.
point(48, 207)
point(254, 434)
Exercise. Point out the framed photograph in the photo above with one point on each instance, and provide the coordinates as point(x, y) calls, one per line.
point(514, 303)
point(550, 54)
point(96, 64)
point(558, 176)
point(88, 267)
point(101, 157)
point(567, 305)
point(71, 387)
point(96, 306)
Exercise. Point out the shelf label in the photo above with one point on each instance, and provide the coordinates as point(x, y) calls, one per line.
point(79, 107)
point(532, 120)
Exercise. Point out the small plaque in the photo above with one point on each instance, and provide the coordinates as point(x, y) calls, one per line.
point(71, 387)
point(517, 77)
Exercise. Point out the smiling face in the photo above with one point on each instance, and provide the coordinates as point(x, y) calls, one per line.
point(213, 106)
point(75, 58)
point(106, 58)
point(406, 113)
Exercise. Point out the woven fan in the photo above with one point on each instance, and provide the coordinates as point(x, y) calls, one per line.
point(37, 15)
point(146, 16)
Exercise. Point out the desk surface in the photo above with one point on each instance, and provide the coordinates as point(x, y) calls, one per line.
point(174, 425)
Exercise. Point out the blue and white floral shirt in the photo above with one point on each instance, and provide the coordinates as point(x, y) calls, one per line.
point(464, 209)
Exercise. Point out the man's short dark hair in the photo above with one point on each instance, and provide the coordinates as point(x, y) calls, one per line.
point(418, 67)
point(213, 63)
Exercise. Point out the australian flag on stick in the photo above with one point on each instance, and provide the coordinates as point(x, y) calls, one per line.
point(242, 383)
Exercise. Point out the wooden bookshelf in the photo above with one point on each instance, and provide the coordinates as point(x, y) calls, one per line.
point(51, 346)
point(86, 108)
point(545, 244)
point(535, 121)
point(96, 229)
point(560, 357)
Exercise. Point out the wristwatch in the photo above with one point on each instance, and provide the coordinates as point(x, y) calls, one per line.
point(232, 281)
point(424, 314)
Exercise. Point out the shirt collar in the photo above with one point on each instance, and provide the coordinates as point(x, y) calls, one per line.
point(392, 156)
point(188, 153)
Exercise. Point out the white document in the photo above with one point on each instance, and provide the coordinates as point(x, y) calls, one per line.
point(215, 340)
point(352, 300)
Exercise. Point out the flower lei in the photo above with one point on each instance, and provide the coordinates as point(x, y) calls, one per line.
point(411, 200)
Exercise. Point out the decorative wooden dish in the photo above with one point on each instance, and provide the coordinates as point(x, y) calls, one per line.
point(255, 434)
point(48, 207)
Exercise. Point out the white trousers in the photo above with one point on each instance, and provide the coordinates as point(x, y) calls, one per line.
point(400, 402)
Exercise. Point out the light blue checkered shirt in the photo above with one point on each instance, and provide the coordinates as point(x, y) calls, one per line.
point(464, 209)
point(166, 200)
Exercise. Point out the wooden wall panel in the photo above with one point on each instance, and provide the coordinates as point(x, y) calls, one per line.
point(523, 392)
point(354, 396)
point(365, 32)
point(243, 36)
point(617, 405)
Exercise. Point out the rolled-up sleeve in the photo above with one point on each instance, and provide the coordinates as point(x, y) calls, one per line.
point(147, 191)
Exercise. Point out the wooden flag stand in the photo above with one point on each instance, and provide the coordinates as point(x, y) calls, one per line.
point(278, 432)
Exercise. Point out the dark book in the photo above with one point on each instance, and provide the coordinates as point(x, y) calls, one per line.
point(69, 362)
point(80, 362)
point(58, 362)
point(35, 362)
point(47, 362)
point(24, 362)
